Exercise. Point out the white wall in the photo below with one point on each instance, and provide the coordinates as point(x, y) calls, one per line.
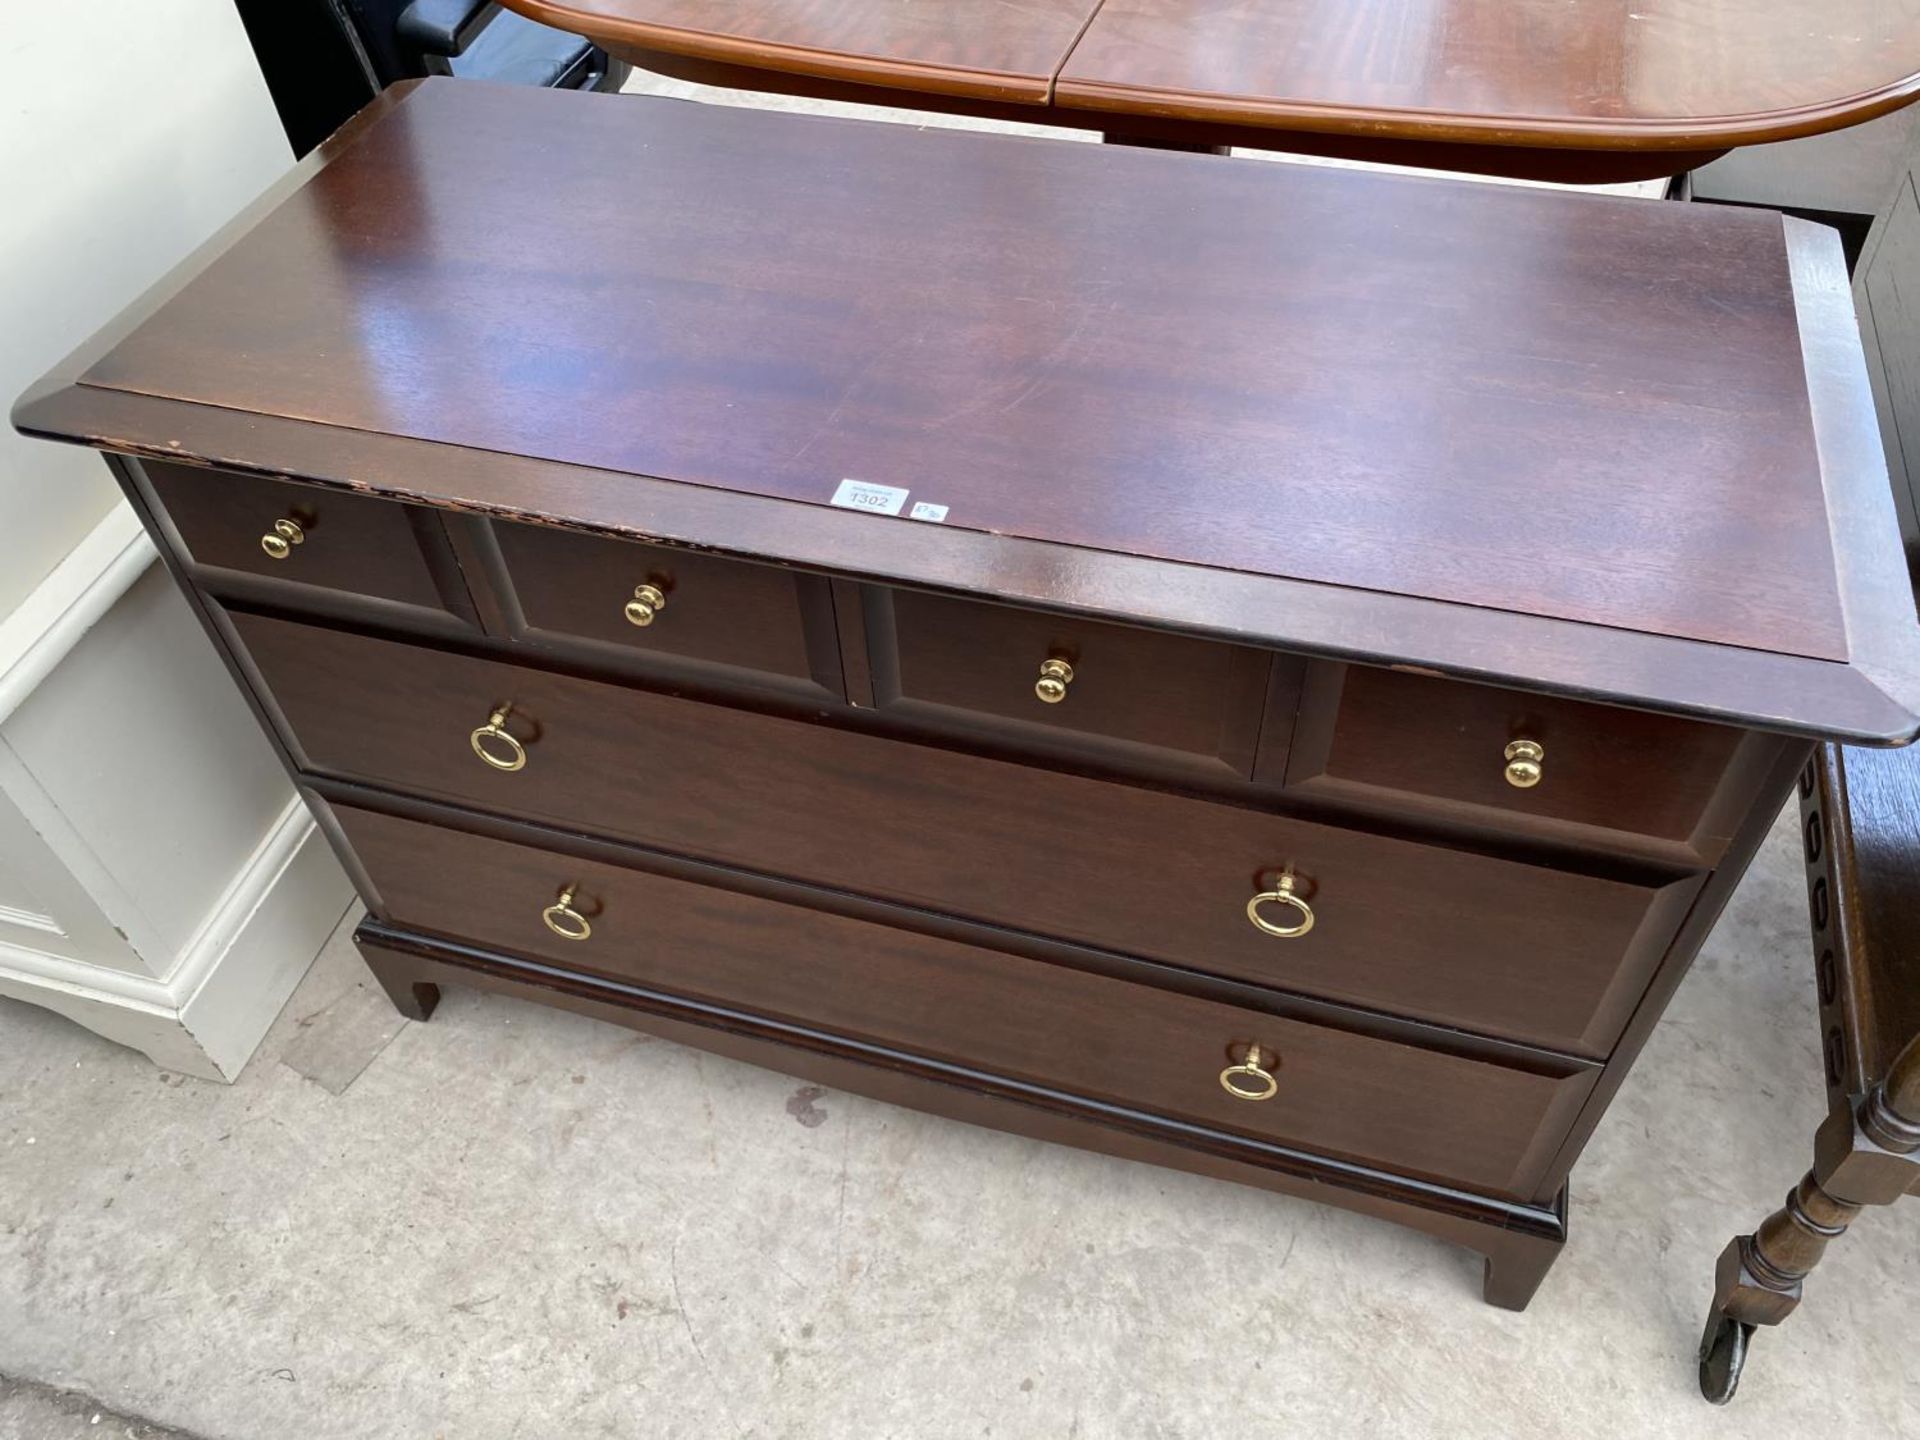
point(130, 130)
point(160, 883)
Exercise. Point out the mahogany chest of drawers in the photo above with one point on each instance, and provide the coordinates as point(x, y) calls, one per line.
point(1261, 670)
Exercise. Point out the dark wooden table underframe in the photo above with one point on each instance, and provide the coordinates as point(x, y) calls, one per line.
point(1860, 825)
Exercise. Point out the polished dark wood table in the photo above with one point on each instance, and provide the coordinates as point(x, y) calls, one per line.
point(1592, 90)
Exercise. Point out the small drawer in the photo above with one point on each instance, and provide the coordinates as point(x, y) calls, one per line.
point(305, 535)
point(1473, 752)
point(683, 609)
point(1538, 953)
point(1490, 1125)
point(1065, 682)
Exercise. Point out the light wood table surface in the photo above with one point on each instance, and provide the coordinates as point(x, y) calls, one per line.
point(1583, 90)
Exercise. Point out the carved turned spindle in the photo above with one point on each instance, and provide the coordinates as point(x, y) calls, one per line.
point(1890, 1116)
point(1860, 1159)
point(1790, 1242)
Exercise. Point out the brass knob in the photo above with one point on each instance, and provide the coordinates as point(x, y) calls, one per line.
point(1251, 1079)
point(645, 606)
point(279, 541)
point(1524, 759)
point(565, 921)
point(494, 744)
point(1055, 675)
point(1282, 893)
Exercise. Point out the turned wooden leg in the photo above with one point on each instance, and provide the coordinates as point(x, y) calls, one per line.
point(1860, 1159)
point(413, 998)
point(1757, 1281)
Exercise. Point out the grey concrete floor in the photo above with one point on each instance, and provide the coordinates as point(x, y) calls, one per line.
point(517, 1222)
point(514, 1222)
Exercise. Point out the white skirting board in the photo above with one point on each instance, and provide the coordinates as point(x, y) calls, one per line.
point(207, 1017)
point(160, 882)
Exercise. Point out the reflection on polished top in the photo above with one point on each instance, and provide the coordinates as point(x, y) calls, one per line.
point(984, 48)
point(1605, 74)
point(1404, 386)
point(1572, 73)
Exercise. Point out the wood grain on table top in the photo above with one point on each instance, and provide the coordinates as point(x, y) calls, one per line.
point(1562, 405)
point(1683, 74)
point(1686, 75)
point(990, 49)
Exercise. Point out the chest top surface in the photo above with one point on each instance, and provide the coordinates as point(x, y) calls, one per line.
point(1582, 412)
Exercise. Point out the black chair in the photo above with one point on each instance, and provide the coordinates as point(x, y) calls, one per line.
point(324, 59)
point(478, 40)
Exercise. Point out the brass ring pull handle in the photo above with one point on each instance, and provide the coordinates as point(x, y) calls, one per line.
point(280, 540)
point(1251, 1079)
point(1524, 760)
point(645, 606)
point(1282, 894)
point(1055, 676)
point(565, 921)
point(493, 744)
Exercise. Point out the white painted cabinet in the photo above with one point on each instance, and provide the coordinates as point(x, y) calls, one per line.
point(159, 881)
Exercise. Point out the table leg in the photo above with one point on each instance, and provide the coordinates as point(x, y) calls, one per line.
point(1861, 1157)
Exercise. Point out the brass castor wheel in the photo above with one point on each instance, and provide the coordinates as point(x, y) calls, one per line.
point(1723, 1354)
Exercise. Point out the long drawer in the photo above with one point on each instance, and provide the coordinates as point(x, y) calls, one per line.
point(1470, 1122)
point(1526, 951)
